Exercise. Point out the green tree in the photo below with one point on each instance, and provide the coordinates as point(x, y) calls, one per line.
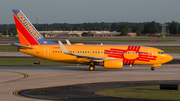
point(173, 28)
point(151, 28)
point(179, 30)
point(124, 32)
point(146, 28)
point(137, 30)
point(5, 32)
point(77, 28)
point(123, 29)
point(85, 34)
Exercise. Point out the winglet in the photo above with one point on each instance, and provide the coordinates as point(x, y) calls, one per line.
point(68, 42)
point(63, 48)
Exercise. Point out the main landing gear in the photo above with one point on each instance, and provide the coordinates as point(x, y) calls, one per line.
point(91, 67)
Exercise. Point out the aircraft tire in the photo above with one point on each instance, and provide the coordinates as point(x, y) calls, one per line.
point(91, 68)
point(152, 68)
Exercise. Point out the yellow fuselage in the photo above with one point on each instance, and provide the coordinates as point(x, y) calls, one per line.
point(129, 54)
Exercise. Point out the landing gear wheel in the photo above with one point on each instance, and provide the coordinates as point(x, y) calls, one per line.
point(91, 68)
point(152, 68)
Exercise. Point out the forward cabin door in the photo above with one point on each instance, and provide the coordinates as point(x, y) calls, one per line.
point(150, 53)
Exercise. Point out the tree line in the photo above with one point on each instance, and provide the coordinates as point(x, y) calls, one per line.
point(123, 27)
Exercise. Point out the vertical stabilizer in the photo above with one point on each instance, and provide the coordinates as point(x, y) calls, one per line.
point(28, 35)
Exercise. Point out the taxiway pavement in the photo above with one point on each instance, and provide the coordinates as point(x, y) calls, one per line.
point(15, 78)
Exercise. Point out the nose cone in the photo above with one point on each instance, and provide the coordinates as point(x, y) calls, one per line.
point(168, 57)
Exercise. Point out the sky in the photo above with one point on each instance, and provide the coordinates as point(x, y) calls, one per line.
point(85, 11)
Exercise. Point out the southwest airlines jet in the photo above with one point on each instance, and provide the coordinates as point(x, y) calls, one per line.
point(108, 56)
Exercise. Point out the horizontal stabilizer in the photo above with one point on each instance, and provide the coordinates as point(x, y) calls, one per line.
point(20, 46)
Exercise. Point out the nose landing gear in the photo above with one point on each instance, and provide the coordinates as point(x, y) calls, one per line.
point(152, 68)
point(155, 65)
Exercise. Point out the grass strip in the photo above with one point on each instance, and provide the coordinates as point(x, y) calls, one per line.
point(8, 49)
point(169, 49)
point(145, 92)
point(4, 42)
point(30, 62)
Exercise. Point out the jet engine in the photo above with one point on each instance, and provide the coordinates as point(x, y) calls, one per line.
point(113, 63)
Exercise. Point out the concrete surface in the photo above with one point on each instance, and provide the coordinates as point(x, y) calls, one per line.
point(14, 78)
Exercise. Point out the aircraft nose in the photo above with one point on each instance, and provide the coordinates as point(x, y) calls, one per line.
point(168, 57)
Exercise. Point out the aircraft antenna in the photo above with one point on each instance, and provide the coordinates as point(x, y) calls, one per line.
point(37, 21)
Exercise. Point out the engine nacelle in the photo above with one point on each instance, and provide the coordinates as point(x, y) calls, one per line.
point(113, 63)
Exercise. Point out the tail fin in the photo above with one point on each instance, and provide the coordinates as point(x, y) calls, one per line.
point(28, 35)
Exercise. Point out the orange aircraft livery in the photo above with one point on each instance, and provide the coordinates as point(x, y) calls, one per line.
point(108, 56)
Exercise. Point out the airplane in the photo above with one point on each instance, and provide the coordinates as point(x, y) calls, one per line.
point(108, 56)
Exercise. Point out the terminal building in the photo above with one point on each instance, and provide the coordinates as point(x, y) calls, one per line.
point(78, 33)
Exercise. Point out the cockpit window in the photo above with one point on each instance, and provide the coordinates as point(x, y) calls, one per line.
point(161, 52)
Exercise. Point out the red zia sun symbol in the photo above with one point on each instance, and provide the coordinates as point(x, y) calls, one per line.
point(130, 55)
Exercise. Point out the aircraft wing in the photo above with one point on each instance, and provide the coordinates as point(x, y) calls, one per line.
point(20, 46)
point(65, 51)
point(87, 56)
